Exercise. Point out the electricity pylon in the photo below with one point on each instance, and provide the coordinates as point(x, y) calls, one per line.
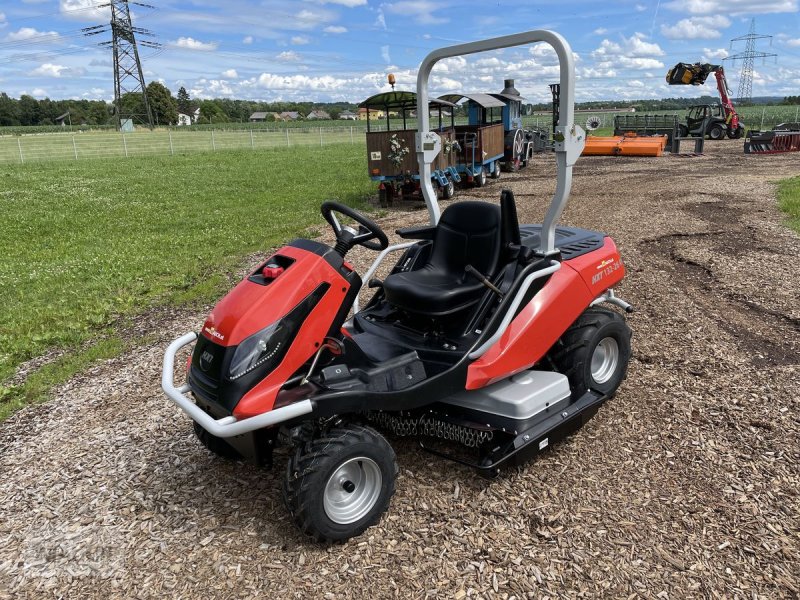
point(745, 89)
point(128, 73)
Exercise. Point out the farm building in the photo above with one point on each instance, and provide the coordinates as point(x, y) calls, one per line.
point(347, 115)
point(364, 114)
point(319, 115)
point(190, 119)
point(258, 117)
point(288, 115)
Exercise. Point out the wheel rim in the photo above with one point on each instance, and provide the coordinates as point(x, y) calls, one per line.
point(605, 359)
point(352, 490)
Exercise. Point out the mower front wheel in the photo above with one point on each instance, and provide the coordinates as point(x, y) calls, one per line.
point(594, 352)
point(339, 484)
point(215, 444)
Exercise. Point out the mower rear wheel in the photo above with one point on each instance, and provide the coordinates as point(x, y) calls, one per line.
point(496, 170)
point(215, 444)
point(594, 352)
point(341, 483)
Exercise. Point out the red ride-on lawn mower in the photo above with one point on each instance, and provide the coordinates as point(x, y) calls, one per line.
point(486, 340)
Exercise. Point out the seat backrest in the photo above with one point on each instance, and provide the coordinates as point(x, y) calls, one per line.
point(468, 233)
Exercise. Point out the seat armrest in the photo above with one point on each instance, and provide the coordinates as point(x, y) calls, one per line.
point(417, 233)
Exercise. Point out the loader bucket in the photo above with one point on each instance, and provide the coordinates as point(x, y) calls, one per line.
point(688, 74)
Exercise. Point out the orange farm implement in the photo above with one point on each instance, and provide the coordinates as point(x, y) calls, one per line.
point(625, 145)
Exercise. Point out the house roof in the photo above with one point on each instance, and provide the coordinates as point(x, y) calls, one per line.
point(318, 113)
point(258, 115)
point(484, 100)
point(292, 114)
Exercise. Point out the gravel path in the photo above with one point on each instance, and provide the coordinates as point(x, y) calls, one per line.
point(684, 485)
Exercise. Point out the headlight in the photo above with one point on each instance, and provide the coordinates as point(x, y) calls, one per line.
point(259, 348)
point(266, 348)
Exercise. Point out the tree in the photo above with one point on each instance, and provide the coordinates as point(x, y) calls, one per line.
point(29, 113)
point(211, 112)
point(163, 106)
point(131, 103)
point(9, 114)
point(184, 102)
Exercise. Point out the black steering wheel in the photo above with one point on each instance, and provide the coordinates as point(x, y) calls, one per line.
point(368, 235)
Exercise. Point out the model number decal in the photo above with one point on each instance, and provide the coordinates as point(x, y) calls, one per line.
point(607, 267)
point(374, 155)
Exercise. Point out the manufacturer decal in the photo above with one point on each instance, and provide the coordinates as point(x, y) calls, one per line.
point(605, 263)
point(214, 333)
point(374, 155)
point(607, 267)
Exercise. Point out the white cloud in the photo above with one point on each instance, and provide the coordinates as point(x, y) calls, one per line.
point(732, 7)
point(189, 43)
point(230, 74)
point(84, 10)
point(307, 19)
point(51, 70)
point(640, 8)
point(419, 10)
point(381, 19)
point(696, 28)
point(490, 63)
point(795, 43)
point(100, 62)
point(3, 21)
point(632, 47)
point(39, 93)
point(385, 54)
point(27, 33)
point(301, 82)
point(335, 29)
point(711, 54)
point(247, 40)
point(600, 31)
point(300, 40)
point(288, 56)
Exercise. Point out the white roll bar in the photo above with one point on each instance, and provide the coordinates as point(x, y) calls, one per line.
point(227, 426)
point(569, 138)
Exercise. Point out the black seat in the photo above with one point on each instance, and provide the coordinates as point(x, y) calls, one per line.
point(468, 233)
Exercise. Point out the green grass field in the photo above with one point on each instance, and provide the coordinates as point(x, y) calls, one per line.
point(87, 243)
point(789, 201)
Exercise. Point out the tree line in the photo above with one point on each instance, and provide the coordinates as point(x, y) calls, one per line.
point(165, 108)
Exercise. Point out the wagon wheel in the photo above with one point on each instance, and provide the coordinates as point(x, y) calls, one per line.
point(519, 145)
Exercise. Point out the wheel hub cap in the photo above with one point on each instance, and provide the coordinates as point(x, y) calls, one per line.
point(352, 490)
point(605, 359)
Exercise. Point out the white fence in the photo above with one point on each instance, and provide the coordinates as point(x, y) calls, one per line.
point(83, 146)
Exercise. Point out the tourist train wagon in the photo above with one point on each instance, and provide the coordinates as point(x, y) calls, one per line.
point(391, 158)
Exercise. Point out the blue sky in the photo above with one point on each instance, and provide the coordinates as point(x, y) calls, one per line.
point(332, 50)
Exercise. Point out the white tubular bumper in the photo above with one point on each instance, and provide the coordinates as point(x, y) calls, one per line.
point(227, 426)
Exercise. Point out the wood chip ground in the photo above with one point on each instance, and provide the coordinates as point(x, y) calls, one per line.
point(685, 485)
